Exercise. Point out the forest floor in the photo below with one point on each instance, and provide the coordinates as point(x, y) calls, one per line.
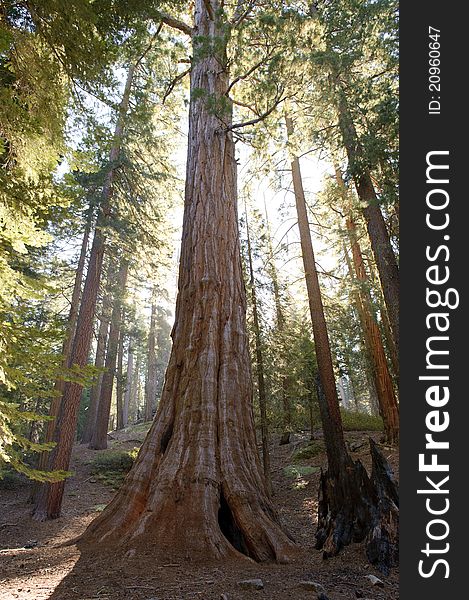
point(34, 564)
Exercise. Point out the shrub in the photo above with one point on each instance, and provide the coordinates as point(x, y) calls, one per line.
point(297, 471)
point(314, 448)
point(111, 466)
point(358, 421)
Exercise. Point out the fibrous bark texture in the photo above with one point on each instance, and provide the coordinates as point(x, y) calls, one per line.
point(197, 485)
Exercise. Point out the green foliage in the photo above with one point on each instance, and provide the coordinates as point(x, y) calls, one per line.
point(111, 466)
point(360, 421)
point(313, 448)
point(10, 479)
point(14, 445)
point(297, 471)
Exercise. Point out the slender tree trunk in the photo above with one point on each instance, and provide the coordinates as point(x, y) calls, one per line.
point(128, 385)
point(197, 485)
point(135, 390)
point(330, 414)
point(100, 357)
point(351, 506)
point(152, 374)
point(376, 226)
point(120, 380)
point(50, 497)
point(68, 341)
point(287, 411)
point(259, 368)
point(99, 437)
point(391, 346)
point(59, 385)
point(383, 381)
point(311, 414)
point(384, 386)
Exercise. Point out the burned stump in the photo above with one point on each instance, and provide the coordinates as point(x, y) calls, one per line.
point(354, 507)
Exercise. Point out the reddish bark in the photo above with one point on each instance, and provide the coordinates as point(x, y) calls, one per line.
point(197, 485)
point(376, 226)
point(99, 437)
point(386, 397)
point(351, 507)
point(329, 403)
point(67, 344)
point(100, 357)
point(49, 500)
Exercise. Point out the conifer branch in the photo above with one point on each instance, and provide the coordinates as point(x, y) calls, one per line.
point(176, 24)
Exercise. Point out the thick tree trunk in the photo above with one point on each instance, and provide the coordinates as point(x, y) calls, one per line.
point(383, 382)
point(348, 499)
point(150, 384)
point(100, 357)
point(259, 368)
point(376, 226)
point(197, 485)
point(99, 437)
point(50, 496)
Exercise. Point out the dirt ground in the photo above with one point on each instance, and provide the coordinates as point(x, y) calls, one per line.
point(34, 564)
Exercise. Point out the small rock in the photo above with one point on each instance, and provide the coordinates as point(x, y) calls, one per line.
point(31, 544)
point(251, 584)
point(224, 597)
point(322, 597)
point(356, 445)
point(375, 580)
point(312, 585)
point(130, 553)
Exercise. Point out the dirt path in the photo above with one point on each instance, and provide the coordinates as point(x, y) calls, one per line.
point(33, 565)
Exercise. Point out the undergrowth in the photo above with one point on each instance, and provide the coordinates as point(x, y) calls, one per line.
point(111, 466)
point(358, 421)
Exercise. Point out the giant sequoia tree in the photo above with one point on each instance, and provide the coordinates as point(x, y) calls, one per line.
point(197, 484)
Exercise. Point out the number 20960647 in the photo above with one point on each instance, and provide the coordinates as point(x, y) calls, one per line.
point(434, 71)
